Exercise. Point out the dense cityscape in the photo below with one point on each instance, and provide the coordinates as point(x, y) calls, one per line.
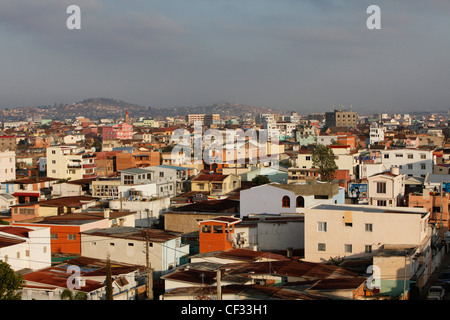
point(330, 206)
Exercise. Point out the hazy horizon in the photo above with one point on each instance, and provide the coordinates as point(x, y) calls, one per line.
point(308, 56)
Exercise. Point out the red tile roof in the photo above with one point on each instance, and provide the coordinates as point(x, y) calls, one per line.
point(210, 177)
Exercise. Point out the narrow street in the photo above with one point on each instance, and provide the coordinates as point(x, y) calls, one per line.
point(435, 276)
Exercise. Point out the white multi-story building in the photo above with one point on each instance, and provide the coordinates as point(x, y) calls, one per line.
point(7, 166)
point(360, 230)
point(70, 162)
point(416, 162)
point(149, 182)
point(376, 133)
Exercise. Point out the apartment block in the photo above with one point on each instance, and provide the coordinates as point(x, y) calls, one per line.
point(70, 162)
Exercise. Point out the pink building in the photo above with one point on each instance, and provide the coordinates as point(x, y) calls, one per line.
point(120, 131)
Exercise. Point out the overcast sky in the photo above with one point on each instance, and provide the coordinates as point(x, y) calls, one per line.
point(304, 55)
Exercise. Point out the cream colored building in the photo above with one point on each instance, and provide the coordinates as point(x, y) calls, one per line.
point(386, 188)
point(337, 231)
point(70, 162)
point(7, 166)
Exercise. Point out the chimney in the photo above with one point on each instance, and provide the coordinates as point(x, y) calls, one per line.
point(107, 212)
point(395, 170)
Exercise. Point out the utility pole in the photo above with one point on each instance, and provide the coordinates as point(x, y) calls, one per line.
point(442, 207)
point(149, 269)
point(219, 285)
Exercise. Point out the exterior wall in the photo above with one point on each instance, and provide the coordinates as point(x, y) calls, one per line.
point(7, 166)
point(267, 199)
point(395, 190)
point(280, 236)
point(215, 240)
point(19, 214)
point(185, 223)
point(147, 212)
point(62, 243)
point(33, 254)
point(384, 231)
point(163, 256)
point(403, 161)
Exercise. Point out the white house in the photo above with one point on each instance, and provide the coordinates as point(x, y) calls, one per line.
point(128, 245)
point(147, 212)
point(275, 198)
point(6, 201)
point(411, 162)
point(376, 133)
point(148, 182)
point(7, 166)
point(25, 247)
point(386, 188)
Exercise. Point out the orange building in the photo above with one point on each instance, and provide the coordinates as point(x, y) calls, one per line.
point(65, 230)
point(137, 159)
point(432, 202)
point(217, 234)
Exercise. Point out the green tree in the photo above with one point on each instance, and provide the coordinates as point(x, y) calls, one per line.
point(323, 159)
point(259, 180)
point(108, 281)
point(68, 294)
point(11, 284)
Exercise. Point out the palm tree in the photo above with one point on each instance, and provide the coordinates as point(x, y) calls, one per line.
point(68, 294)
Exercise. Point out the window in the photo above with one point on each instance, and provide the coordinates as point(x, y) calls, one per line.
point(128, 179)
point(386, 156)
point(348, 248)
point(348, 224)
point(201, 186)
point(321, 247)
point(300, 202)
point(320, 197)
point(286, 202)
point(54, 236)
point(206, 228)
point(322, 226)
point(381, 187)
point(71, 237)
point(217, 229)
point(423, 166)
point(399, 155)
point(308, 158)
point(410, 166)
point(368, 249)
point(381, 203)
point(423, 156)
point(368, 227)
point(410, 156)
point(112, 244)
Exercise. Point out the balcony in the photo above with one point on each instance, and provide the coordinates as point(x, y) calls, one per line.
point(89, 165)
point(89, 175)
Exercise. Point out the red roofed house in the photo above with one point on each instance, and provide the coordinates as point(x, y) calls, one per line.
point(25, 247)
point(85, 275)
point(216, 184)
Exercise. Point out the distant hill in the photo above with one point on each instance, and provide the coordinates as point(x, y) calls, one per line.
point(100, 108)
